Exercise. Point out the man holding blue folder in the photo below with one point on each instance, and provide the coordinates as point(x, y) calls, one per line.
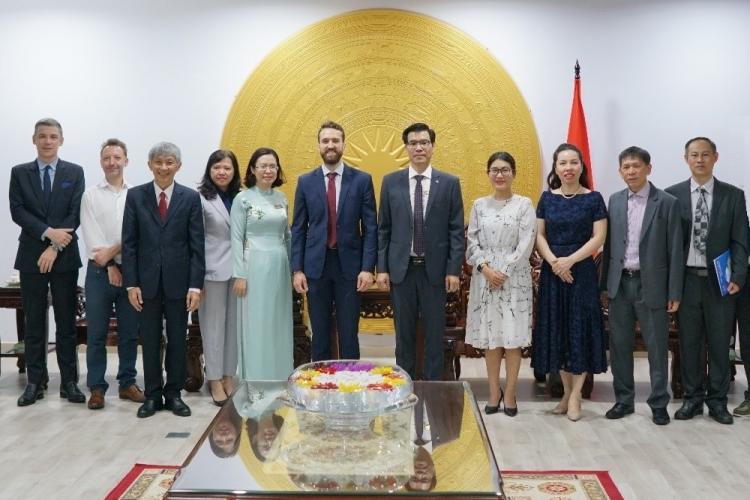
point(714, 220)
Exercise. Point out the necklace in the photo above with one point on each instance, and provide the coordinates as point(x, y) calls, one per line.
point(569, 196)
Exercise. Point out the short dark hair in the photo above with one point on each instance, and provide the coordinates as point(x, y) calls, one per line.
point(250, 178)
point(502, 156)
point(694, 139)
point(115, 143)
point(48, 122)
point(207, 187)
point(635, 152)
point(334, 126)
point(553, 180)
point(417, 127)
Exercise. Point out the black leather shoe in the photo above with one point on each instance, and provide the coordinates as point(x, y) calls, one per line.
point(72, 393)
point(178, 406)
point(721, 415)
point(149, 407)
point(660, 416)
point(619, 410)
point(30, 395)
point(511, 412)
point(688, 410)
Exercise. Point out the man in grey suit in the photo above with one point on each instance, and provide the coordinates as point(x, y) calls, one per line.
point(642, 278)
point(714, 219)
point(420, 249)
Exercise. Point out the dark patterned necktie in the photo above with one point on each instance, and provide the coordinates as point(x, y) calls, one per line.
point(700, 223)
point(418, 236)
point(331, 199)
point(163, 206)
point(46, 187)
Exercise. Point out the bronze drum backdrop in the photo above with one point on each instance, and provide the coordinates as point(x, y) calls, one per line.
point(375, 72)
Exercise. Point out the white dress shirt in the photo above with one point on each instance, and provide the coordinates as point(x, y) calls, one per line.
point(167, 191)
point(425, 193)
point(102, 207)
point(695, 259)
point(337, 180)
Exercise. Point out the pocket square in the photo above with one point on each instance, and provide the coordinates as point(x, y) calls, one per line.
point(67, 184)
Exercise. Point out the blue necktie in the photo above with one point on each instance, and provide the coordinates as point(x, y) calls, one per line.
point(46, 187)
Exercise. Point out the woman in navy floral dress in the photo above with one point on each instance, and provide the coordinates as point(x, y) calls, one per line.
point(569, 331)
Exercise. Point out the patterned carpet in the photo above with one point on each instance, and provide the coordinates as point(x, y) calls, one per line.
point(559, 485)
point(151, 482)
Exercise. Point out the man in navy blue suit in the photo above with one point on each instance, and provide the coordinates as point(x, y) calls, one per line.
point(334, 244)
point(45, 200)
point(163, 265)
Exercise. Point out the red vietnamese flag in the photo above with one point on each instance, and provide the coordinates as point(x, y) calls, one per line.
point(577, 134)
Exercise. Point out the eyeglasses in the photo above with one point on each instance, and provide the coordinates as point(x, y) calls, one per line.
point(413, 144)
point(505, 171)
point(267, 167)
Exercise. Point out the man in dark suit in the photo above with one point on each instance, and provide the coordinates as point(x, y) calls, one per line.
point(743, 325)
point(334, 244)
point(642, 278)
point(163, 266)
point(45, 200)
point(420, 249)
point(714, 219)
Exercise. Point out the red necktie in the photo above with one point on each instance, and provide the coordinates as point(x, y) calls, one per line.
point(331, 194)
point(163, 206)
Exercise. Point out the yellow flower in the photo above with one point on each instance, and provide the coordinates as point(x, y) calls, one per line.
point(350, 388)
point(304, 382)
point(309, 374)
point(382, 370)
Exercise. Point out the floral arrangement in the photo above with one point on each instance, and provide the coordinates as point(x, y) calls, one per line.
point(349, 377)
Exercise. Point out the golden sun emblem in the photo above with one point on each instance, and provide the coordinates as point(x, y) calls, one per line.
point(377, 150)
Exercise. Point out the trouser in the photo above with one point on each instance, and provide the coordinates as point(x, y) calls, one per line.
point(101, 296)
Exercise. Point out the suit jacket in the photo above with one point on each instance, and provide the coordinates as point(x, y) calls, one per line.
point(218, 245)
point(27, 210)
point(727, 227)
point(170, 250)
point(356, 224)
point(660, 248)
point(444, 227)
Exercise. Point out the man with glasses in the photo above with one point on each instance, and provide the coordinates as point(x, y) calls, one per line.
point(334, 244)
point(420, 249)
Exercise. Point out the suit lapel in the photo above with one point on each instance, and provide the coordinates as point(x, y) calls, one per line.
point(217, 204)
point(651, 204)
point(403, 190)
point(432, 194)
point(35, 182)
point(150, 201)
point(60, 174)
point(174, 203)
point(718, 199)
point(346, 181)
point(319, 187)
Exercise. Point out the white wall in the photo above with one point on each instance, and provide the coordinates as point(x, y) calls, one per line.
point(654, 74)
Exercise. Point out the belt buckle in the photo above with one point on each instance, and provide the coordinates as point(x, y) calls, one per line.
point(417, 261)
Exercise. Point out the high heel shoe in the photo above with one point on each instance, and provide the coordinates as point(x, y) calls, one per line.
point(574, 415)
point(489, 410)
point(560, 409)
point(511, 411)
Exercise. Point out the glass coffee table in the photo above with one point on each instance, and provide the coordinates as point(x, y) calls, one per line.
point(259, 447)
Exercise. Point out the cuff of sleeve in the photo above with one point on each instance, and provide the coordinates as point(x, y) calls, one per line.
point(195, 290)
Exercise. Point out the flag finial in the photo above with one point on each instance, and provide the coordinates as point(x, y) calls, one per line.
point(578, 70)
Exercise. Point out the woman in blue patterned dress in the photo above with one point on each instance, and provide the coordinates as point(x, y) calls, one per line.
point(569, 331)
point(260, 249)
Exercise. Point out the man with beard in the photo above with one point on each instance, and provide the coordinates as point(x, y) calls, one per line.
point(334, 244)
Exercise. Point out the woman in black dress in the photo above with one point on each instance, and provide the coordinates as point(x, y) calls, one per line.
point(571, 227)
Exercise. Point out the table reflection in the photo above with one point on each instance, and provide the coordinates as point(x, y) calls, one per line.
point(258, 444)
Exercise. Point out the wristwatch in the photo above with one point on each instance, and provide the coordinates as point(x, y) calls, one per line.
point(480, 266)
